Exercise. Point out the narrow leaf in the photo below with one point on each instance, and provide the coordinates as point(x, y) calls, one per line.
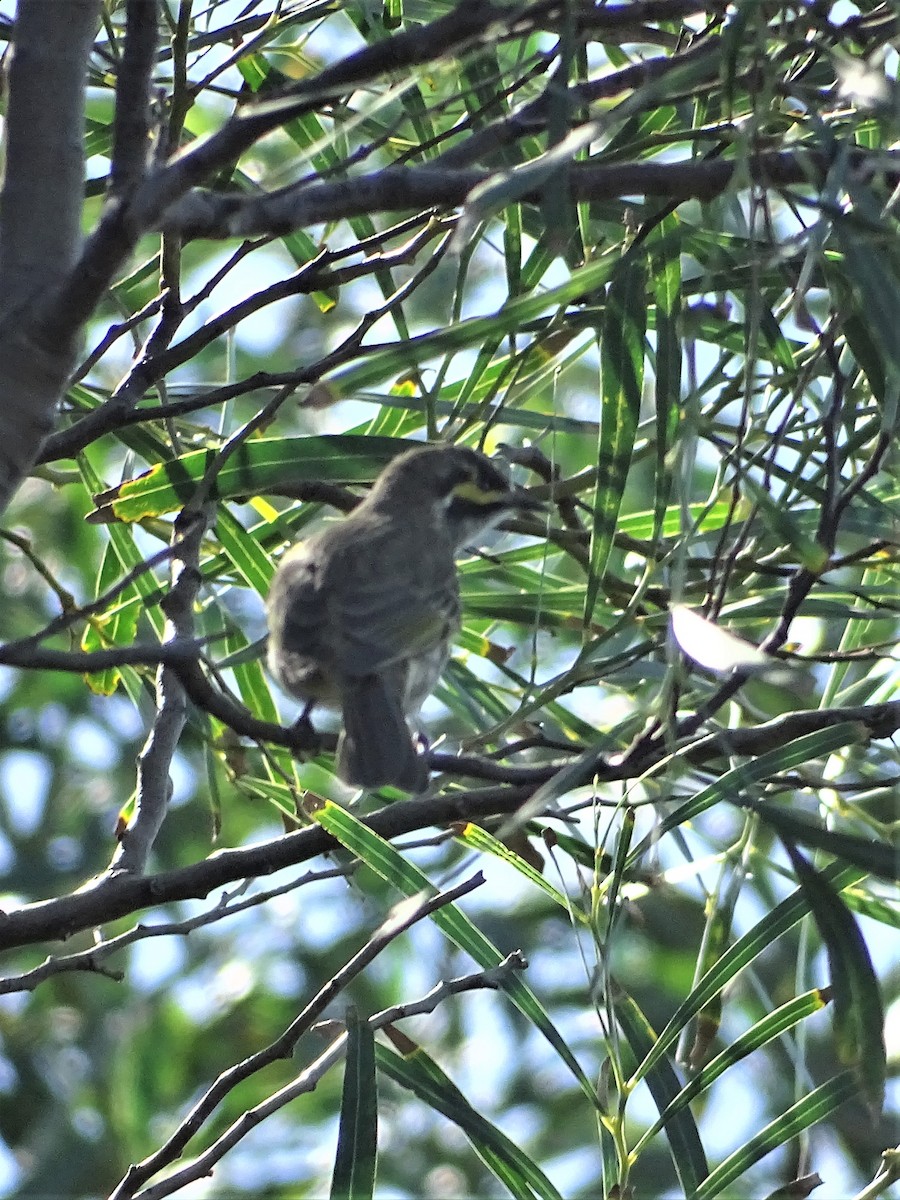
point(858, 1011)
point(747, 948)
point(260, 465)
point(686, 1148)
point(807, 1112)
point(621, 385)
point(665, 265)
point(876, 858)
point(421, 1075)
point(381, 856)
point(354, 1164)
point(764, 1031)
point(730, 785)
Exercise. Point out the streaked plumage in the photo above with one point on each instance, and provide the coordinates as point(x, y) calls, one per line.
point(362, 614)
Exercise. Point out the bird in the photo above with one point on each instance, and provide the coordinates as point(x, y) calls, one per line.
point(361, 615)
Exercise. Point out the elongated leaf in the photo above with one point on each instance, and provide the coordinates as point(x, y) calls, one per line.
point(129, 556)
point(384, 364)
point(259, 465)
point(807, 1112)
point(354, 1164)
point(780, 518)
point(686, 1148)
point(873, 274)
point(621, 385)
point(244, 552)
point(761, 1034)
point(877, 858)
point(783, 917)
point(712, 647)
point(382, 858)
point(479, 839)
point(421, 1075)
point(113, 629)
point(858, 1012)
point(665, 265)
point(729, 786)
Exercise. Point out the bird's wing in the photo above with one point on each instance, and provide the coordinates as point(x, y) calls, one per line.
point(392, 612)
point(295, 603)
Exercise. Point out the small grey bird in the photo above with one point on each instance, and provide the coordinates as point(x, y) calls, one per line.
point(362, 615)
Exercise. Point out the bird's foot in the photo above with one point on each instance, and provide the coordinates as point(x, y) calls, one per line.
point(303, 734)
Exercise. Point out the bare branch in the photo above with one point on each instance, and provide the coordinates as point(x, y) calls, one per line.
point(122, 224)
point(158, 358)
point(406, 914)
point(40, 218)
point(93, 960)
point(308, 1079)
point(131, 128)
point(223, 215)
point(153, 782)
point(19, 653)
point(113, 896)
point(531, 118)
point(36, 658)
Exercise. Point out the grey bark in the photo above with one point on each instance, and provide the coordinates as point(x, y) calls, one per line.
point(40, 218)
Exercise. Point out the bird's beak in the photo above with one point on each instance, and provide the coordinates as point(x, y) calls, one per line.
point(524, 501)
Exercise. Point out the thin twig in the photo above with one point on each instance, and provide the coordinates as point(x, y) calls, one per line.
point(154, 762)
point(118, 895)
point(405, 915)
point(229, 905)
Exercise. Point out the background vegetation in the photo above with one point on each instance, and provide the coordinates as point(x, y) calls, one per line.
point(648, 252)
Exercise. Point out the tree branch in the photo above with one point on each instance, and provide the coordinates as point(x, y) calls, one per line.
point(40, 218)
point(131, 127)
point(120, 894)
point(154, 762)
point(202, 1166)
point(404, 915)
point(224, 215)
point(94, 959)
point(36, 658)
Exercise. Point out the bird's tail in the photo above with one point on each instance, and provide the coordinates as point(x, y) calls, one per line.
point(375, 748)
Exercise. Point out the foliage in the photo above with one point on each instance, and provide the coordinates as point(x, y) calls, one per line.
point(648, 254)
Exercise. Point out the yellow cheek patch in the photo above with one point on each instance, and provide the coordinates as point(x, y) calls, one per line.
point(467, 490)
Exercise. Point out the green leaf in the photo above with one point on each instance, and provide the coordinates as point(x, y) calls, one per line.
point(479, 839)
point(875, 279)
point(353, 1177)
point(766, 1030)
point(125, 549)
point(681, 1131)
point(809, 1111)
point(781, 519)
point(115, 628)
point(244, 552)
point(258, 465)
point(664, 245)
point(421, 1075)
point(876, 858)
point(386, 363)
point(728, 787)
point(382, 858)
point(621, 386)
point(738, 956)
point(858, 1012)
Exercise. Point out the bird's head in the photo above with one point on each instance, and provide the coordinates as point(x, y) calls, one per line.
point(466, 487)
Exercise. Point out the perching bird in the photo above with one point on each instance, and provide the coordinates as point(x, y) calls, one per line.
point(362, 615)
